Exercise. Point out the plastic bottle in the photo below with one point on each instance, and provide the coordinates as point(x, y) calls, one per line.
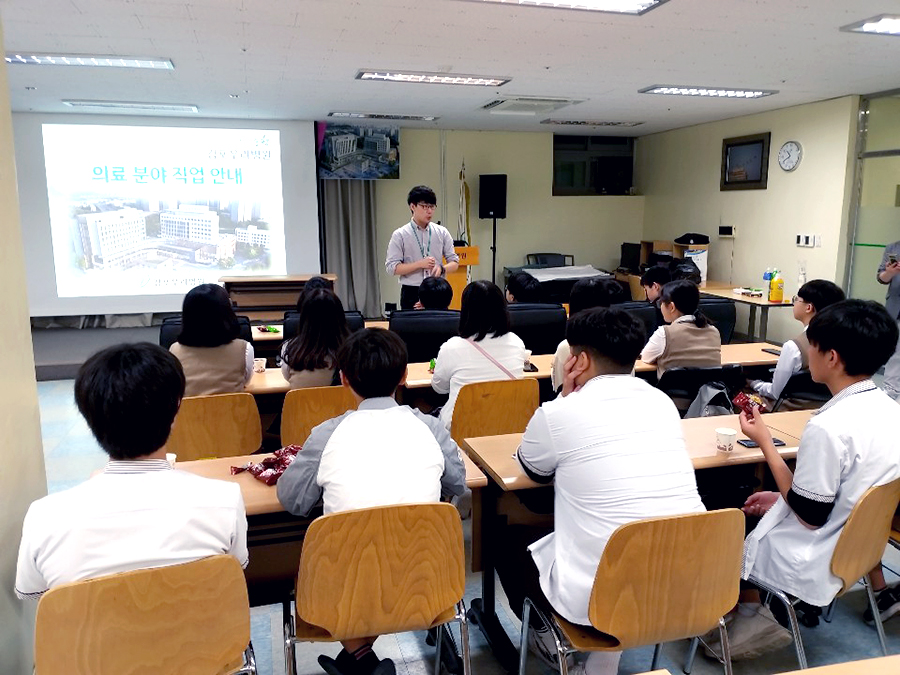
point(776, 287)
point(767, 277)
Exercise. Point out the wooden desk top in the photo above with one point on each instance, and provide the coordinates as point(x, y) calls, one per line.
point(275, 278)
point(886, 665)
point(495, 454)
point(269, 382)
point(418, 375)
point(745, 299)
point(746, 354)
point(260, 498)
point(260, 336)
point(377, 324)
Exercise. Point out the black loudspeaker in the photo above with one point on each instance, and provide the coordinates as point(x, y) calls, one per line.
point(492, 195)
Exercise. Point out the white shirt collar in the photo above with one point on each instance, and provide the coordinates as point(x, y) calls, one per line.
point(136, 465)
point(684, 319)
point(857, 388)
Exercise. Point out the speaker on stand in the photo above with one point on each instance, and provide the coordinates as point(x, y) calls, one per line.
point(492, 204)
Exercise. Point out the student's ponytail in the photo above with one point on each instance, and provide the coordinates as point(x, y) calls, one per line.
point(700, 319)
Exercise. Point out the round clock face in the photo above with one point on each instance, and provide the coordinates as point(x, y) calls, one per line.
point(789, 155)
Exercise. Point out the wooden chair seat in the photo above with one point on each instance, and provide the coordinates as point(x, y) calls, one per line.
point(585, 638)
point(307, 408)
point(307, 632)
point(219, 425)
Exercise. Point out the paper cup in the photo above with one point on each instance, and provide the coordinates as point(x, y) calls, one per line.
point(725, 439)
point(259, 365)
point(527, 356)
point(170, 458)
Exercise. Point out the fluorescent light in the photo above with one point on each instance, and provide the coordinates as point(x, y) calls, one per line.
point(90, 60)
point(590, 123)
point(885, 24)
point(380, 116)
point(431, 78)
point(708, 92)
point(614, 6)
point(134, 105)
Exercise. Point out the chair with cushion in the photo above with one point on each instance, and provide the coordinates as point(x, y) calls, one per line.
point(492, 408)
point(643, 311)
point(189, 618)
point(542, 326)
point(218, 425)
point(424, 330)
point(683, 384)
point(387, 569)
point(802, 392)
point(170, 329)
point(722, 313)
point(291, 323)
point(674, 577)
point(306, 408)
point(550, 259)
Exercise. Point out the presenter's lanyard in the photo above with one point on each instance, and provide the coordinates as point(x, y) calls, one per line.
point(416, 235)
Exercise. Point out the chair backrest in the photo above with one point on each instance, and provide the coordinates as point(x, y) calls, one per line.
point(550, 259)
point(865, 534)
point(381, 570)
point(643, 311)
point(190, 618)
point(170, 329)
point(496, 407)
point(291, 324)
point(218, 425)
point(801, 387)
point(722, 313)
point(673, 577)
point(306, 408)
point(684, 383)
point(542, 326)
point(424, 330)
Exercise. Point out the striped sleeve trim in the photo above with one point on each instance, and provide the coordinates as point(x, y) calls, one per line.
point(31, 596)
point(812, 496)
point(534, 474)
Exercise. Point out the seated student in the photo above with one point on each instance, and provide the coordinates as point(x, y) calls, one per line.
point(689, 341)
point(586, 293)
point(652, 282)
point(380, 454)
point(310, 359)
point(313, 284)
point(614, 447)
point(813, 296)
point(139, 513)
point(522, 287)
point(434, 293)
point(215, 360)
point(847, 447)
point(485, 349)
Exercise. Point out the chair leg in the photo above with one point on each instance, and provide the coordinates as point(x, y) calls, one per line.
point(438, 639)
point(523, 639)
point(792, 617)
point(464, 637)
point(829, 612)
point(248, 665)
point(657, 654)
point(873, 603)
point(726, 646)
point(691, 653)
point(290, 659)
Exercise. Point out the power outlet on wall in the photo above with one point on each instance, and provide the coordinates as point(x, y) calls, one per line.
point(727, 231)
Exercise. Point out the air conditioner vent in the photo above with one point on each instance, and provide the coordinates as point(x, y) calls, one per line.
point(527, 105)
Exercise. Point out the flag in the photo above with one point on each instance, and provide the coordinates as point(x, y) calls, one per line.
point(462, 225)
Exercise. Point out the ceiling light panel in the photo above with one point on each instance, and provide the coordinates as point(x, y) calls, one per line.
point(708, 92)
point(417, 77)
point(385, 116)
point(89, 60)
point(133, 105)
point(885, 24)
point(591, 123)
point(611, 6)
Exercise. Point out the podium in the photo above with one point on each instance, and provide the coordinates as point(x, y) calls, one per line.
point(468, 256)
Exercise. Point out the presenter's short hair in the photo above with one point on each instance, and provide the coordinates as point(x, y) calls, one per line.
point(435, 293)
point(207, 318)
point(483, 310)
point(373, 360)
point(421, 193)
point(861, 331)
point(609, 334)
point(128, 395)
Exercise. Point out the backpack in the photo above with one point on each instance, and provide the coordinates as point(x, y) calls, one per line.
point(712, 399)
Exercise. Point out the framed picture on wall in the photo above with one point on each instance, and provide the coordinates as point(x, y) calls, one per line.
point(745, 162)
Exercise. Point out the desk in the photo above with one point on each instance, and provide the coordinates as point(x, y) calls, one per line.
point(760, 305)
point(269, 382)
point(267, 336)
point(886, 665)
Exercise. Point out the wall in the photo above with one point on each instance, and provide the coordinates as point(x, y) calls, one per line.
point(678, 172)
point(22, 477)
point(591, 228)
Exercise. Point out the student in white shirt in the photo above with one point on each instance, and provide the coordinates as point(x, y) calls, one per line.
point(140, 512)
point(847, 447)
point(813, 296)
point(485, 349)
point(613, 445)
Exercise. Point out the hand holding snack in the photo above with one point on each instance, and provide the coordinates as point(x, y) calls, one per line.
point(747, 402)
point(753, 426)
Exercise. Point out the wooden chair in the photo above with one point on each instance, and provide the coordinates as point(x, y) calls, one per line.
point(190, 618)
point(219, 425)
point(375, 571)
point(306, 408)
point(673, 577)
point(496, 407)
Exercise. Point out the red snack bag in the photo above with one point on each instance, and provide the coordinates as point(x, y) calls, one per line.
point(747, 402)
point(240, 469)
point(269, 476)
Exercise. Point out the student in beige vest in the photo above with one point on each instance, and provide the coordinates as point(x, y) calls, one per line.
point(689, 341)
point(310, 359)
point(214, 359)
point(813, 297)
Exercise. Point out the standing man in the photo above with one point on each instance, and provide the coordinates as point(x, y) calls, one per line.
point(889, 274)
point(417, 249)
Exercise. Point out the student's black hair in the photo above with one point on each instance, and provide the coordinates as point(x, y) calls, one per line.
point(861, 331)
point(685, 295)
point(435, 293)
point(323, 329)
point(609, 334)
point(820, 293)
point(524, 287)
point(207, 318)
point(483, 311)
point(421, 193)
point(314, 284)
point(129, 394)
point(595, 292)
point(373, 360)
point(656, 275)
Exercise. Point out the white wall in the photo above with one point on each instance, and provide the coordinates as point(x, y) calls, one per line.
point(678, 174)
point(591, 228)
point(21, 456)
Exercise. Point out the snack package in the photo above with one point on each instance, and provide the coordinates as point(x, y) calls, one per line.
point(747, 402)
point(269, 470)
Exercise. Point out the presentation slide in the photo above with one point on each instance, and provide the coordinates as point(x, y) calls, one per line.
point(152, 210)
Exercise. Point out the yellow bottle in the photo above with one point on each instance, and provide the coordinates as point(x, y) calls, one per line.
point(776, 288)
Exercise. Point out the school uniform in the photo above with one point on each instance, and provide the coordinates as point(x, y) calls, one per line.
point(794, 358)
point(301, 379)
point(215, 370)
point(683, 344)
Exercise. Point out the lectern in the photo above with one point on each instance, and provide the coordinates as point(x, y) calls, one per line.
point(468, 256)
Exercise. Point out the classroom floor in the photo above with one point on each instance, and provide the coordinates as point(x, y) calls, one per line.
point(71, 455)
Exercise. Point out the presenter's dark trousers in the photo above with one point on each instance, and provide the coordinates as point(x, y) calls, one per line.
point(409, 296)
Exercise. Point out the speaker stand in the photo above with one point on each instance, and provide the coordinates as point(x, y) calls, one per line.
point(494, 253)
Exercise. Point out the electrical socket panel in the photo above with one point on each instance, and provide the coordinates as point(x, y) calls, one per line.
point(809, 240)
